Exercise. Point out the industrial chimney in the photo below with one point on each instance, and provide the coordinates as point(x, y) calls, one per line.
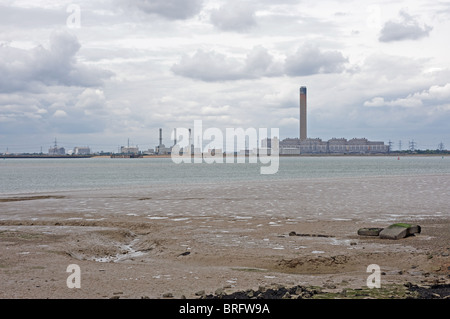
point(303, 134)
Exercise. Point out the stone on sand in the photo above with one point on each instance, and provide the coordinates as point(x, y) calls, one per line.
point(399, 230)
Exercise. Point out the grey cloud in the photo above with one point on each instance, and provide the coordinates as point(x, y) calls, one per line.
point(39, 67)
point(234, 16)
point(170, 9)
point(59, 109)
point(406, 29)
point(433, 98)
point(208, 66)
point(31, 17)
point(212, 66)
point(260, 63)
point(310, 60)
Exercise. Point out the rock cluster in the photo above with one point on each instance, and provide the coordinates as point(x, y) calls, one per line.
point(394, 231)
point(296, 292)
point(433, 292)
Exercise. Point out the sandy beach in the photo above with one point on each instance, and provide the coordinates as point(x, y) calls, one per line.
point(176, 241)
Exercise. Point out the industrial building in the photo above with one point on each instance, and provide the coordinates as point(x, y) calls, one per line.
point(81, 150)
point(293, 146)
point(129, 150)
point(305, 145)
point(55, 150)
point(161, 149)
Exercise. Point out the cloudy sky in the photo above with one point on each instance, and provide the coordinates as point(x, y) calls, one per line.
point(99, 72)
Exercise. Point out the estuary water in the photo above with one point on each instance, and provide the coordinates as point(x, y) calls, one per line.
point(46, 175)
point(23, 176)
point(374, 188)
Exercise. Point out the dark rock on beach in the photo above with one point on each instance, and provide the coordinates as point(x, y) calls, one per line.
point(399, 230)
point(369, 231)
point(433, 292)
point(296, 292)
point(394, 231)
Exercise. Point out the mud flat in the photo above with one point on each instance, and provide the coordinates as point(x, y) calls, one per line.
point(178, 241)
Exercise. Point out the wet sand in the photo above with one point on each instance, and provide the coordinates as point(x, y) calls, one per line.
point(177, 240)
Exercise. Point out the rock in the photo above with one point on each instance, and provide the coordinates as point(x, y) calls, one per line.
point(219, 292)
point(306, 295)
point(399, 230)
point(292, 233)
point(184, 254)
point(200, 293)
point(395, 231)
point(287, 295)
point(168, 295)
point(369, 231)
point(414, 229)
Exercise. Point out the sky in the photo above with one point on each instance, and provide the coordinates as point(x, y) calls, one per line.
point(100, 73)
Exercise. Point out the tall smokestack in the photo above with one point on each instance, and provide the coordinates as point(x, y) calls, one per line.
point(303, 134)
point(190, 138)
point(160, 136)
point(175, 136)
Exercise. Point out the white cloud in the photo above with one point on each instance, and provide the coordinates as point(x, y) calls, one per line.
point(213, 66)
point(435, 96)
point(60, 113)
point(170, 9)
point(406, 28)
point(234, 16)
point(90, 99)
point(32, 69)
point(310, 60)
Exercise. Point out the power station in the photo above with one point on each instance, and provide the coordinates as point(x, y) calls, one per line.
point(305, 145)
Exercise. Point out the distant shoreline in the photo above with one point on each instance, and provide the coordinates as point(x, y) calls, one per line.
point(46, 156)
point(169, 156)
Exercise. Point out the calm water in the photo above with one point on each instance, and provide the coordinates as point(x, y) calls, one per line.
point(43, 175)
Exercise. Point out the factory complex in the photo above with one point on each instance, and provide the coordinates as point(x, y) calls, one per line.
point(305, 145)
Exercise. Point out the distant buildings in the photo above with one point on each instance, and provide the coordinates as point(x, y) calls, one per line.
point(55, 150)
point(129, 150)
point(81, 150)
point(161, 149)
point(305, 145)
point(293, 146)
point(77, 150)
